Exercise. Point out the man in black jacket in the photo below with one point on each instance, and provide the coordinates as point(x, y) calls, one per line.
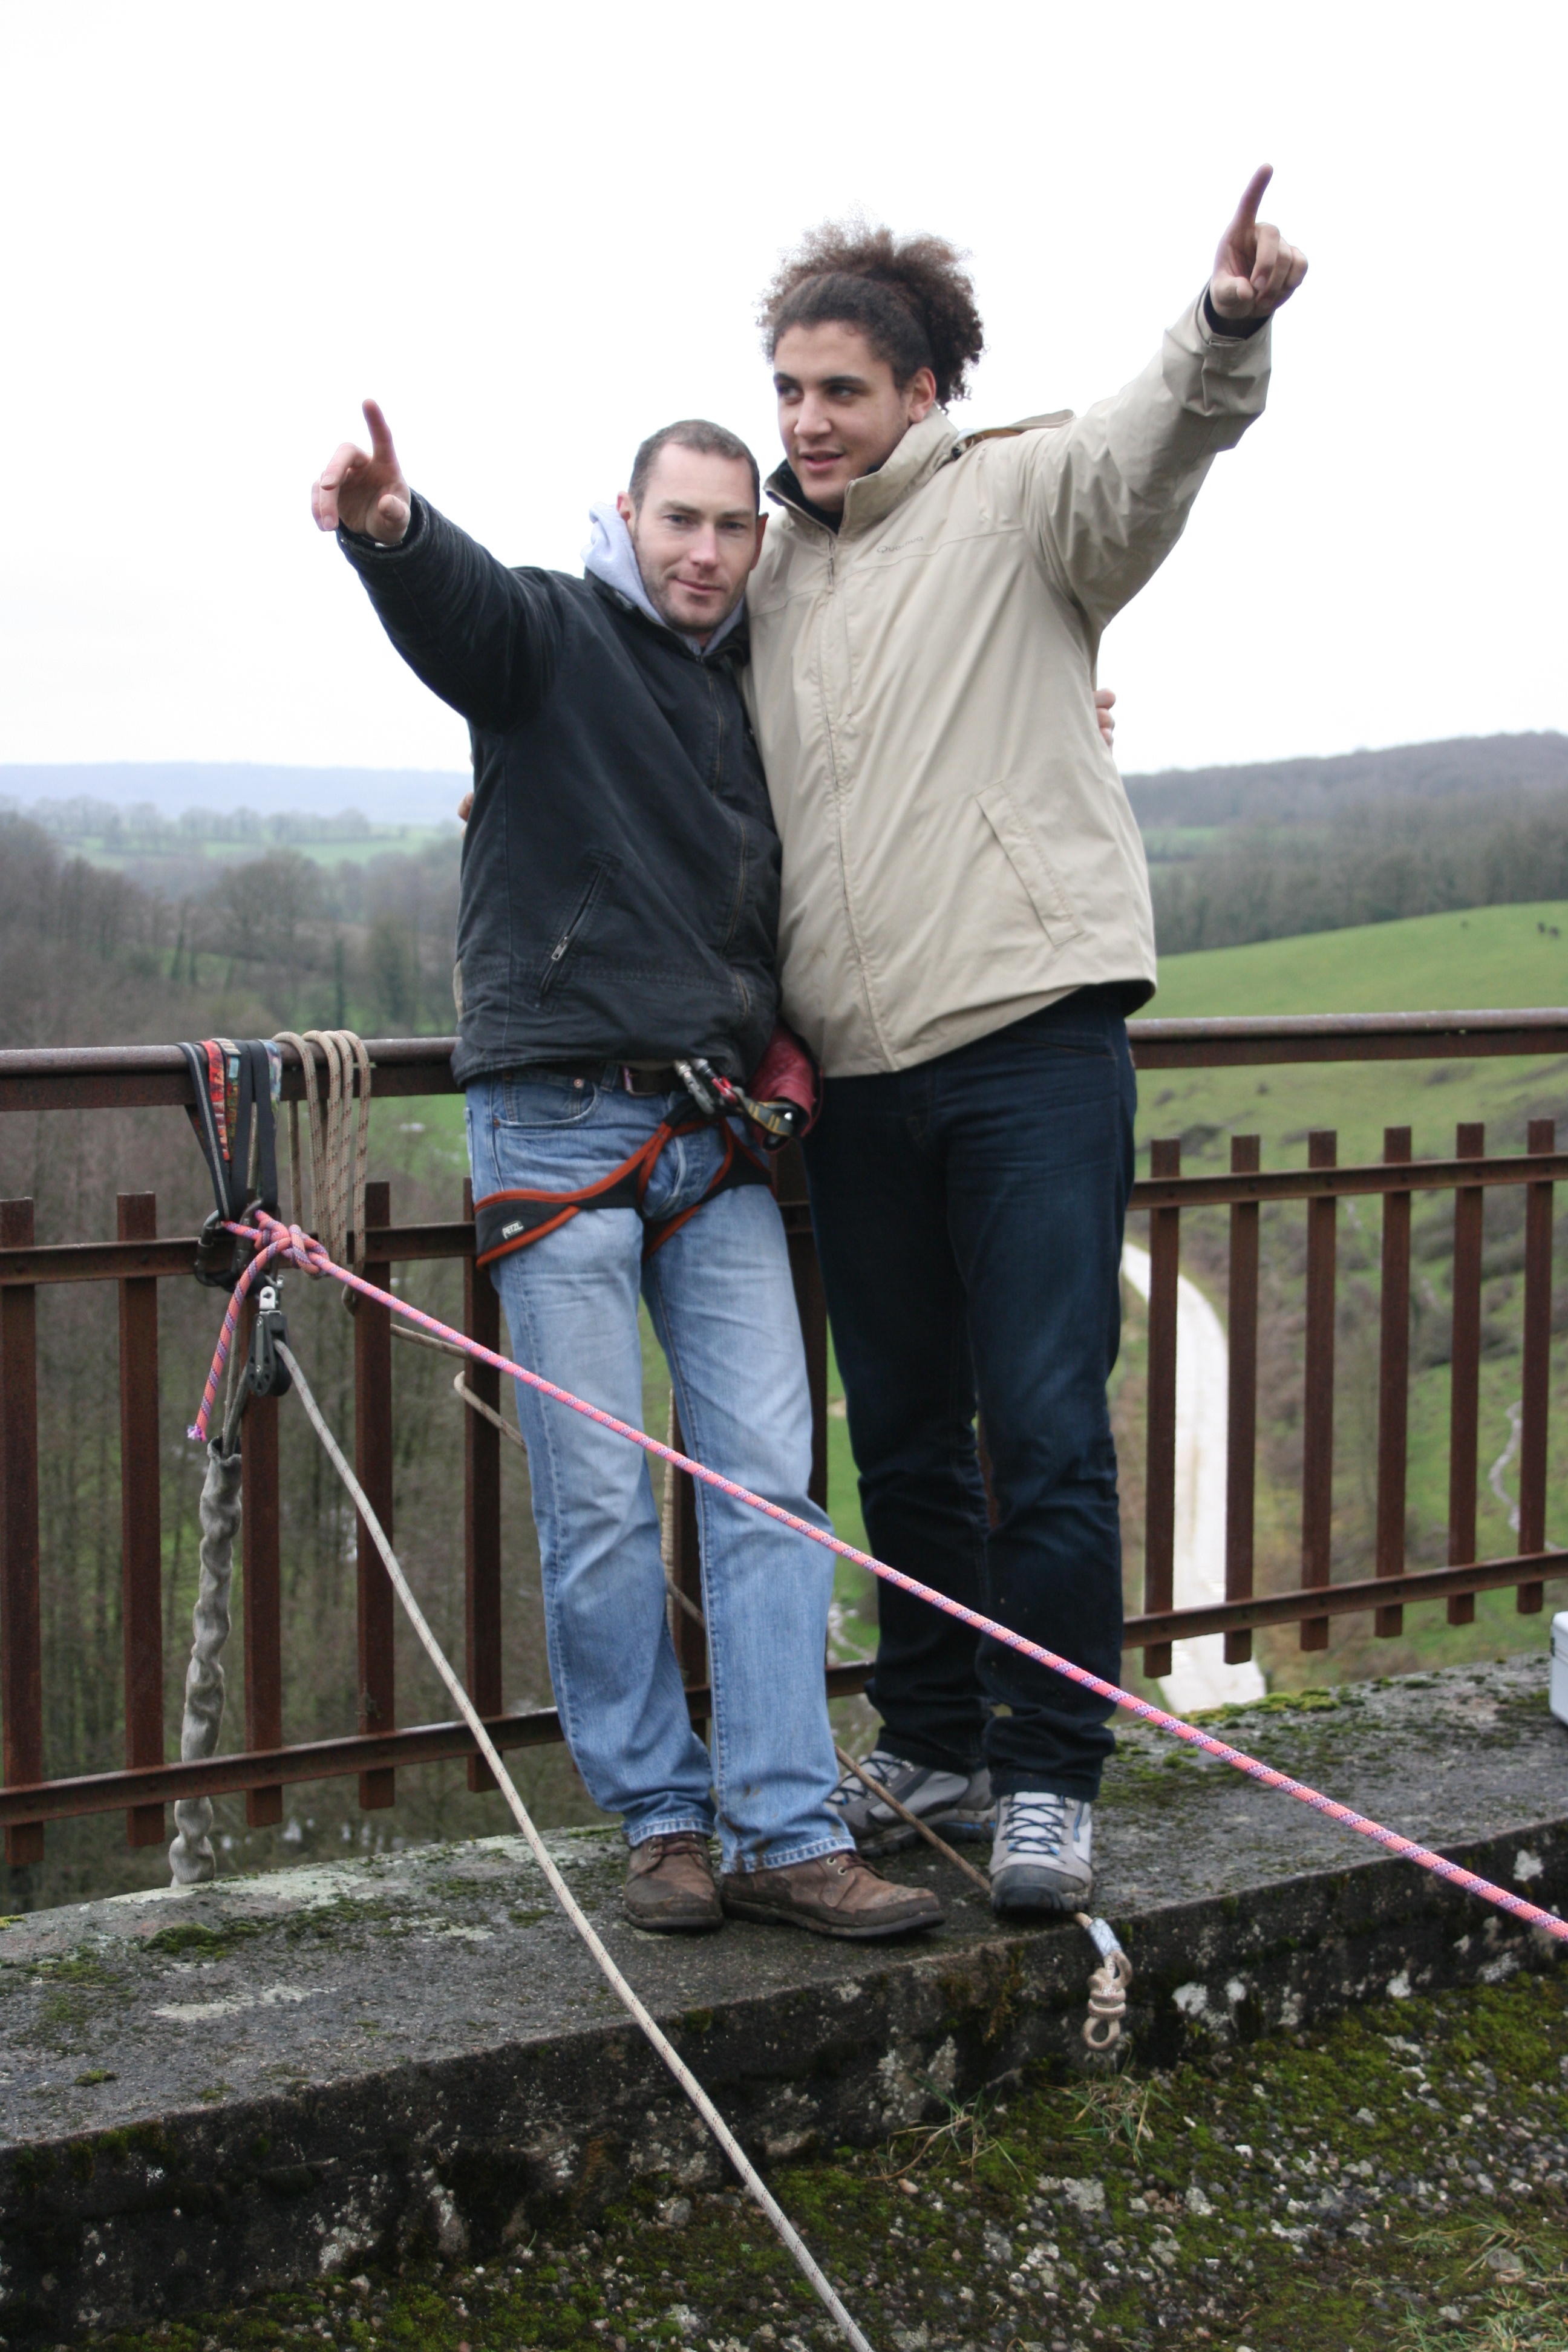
point(617, 913)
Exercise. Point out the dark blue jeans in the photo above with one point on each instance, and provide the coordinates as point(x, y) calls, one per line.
point(968, 1215)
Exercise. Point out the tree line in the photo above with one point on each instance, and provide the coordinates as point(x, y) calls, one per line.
point(275, 942)
point(1372, 863)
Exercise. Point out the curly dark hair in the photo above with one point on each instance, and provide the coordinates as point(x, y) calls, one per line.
point(910, 296)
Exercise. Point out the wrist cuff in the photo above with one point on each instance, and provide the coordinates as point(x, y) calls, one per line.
point(1232, 331)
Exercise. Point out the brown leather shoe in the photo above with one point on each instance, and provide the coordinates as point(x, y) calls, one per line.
point(837, 1895)
point(670, 1885)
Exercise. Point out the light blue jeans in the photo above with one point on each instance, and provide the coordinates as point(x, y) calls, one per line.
point(722, 1305)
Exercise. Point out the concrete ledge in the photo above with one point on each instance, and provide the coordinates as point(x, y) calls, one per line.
point(207, 2092)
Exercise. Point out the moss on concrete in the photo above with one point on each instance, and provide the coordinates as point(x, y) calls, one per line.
point(1398, 2179)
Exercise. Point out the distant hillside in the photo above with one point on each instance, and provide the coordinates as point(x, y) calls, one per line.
point(1318, 791)
point(381, 796)
point(1299, 845)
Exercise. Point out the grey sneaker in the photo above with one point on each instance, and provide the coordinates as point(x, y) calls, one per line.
point(959, 1804)
point(1040, 1861)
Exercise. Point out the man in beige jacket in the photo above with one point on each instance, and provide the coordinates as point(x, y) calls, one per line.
point(965, 925)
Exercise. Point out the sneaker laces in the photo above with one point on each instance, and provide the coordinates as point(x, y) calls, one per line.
point(878, 1766)
point(1036, 1827)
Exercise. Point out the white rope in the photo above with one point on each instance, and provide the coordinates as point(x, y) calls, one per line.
point(191, 1859)
point(623, 1991)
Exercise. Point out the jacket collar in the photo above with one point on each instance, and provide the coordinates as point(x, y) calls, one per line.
point(731, 644)
point(925, 447)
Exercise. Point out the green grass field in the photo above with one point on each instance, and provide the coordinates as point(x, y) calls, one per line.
point(1495, 957)
point(1492, 956)
point(393, 840)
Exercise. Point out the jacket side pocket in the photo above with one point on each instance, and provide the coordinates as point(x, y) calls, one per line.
point(572, 925)
point(1021, 847)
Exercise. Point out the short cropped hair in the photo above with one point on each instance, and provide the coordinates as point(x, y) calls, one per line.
point(911, 297)
point(691, 433)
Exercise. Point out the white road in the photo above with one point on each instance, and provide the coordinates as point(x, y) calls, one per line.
point(1199, 1675)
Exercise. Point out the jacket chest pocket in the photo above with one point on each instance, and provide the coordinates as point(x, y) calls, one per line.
point(1026, 854)
point(576, 919)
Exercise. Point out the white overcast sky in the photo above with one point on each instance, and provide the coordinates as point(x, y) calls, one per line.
point(535, 231)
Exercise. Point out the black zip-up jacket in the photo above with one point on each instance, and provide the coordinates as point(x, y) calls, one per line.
point(620, 875)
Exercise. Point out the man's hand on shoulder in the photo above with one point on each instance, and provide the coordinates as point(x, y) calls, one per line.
point(1104, 703)
point(367, 494)
point(1255, 270)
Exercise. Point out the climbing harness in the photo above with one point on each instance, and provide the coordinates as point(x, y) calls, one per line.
point(782, 1104)
point(505, 1221)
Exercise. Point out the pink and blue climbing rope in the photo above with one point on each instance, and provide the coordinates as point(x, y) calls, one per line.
point(300, 1248)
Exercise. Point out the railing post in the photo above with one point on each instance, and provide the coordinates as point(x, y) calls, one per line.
point(261, 1586)
point(811, 1303)
point(373, 1466)
point(481, 1502)
point(1464, 1369)
point(1318, 1404)
point(1394, 1383)
point(21, 1645)
point(1159, 1490)
point(1241, 1441)
point(141, 1516)
point(1542, 1137)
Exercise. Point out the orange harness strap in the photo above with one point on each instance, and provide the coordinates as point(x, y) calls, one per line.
point(504, 1222)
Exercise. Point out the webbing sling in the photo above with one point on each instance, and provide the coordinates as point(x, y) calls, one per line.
point(234, 1087)
point(504, 1222)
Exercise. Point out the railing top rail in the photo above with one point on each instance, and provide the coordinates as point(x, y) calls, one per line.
point(1348, 1037)
point(126, 1078)
point(105, 1077)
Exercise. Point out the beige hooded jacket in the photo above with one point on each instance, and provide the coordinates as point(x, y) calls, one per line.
point(958, 849)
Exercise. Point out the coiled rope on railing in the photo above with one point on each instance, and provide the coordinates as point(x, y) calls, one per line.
point(339, 1155)
point(282, 1241)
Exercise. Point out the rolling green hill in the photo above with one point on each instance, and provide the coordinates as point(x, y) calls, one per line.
point(1493, 956)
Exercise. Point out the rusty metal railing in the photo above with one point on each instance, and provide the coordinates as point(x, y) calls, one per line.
point(138, 1259)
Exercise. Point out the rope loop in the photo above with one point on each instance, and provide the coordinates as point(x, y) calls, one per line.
point(340, 1147)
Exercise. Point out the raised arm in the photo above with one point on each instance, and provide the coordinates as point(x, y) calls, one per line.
point(482, 637)
point(1107, 497)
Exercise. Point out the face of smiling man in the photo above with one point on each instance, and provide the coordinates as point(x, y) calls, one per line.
point(841, 414)
point(696, 534)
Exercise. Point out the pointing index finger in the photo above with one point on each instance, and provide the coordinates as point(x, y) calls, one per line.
point(380, 432)
point(1247, 211)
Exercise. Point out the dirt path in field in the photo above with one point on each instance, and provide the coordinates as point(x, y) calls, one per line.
point(1199, 1675)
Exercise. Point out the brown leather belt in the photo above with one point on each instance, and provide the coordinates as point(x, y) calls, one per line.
point(665, 1079)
